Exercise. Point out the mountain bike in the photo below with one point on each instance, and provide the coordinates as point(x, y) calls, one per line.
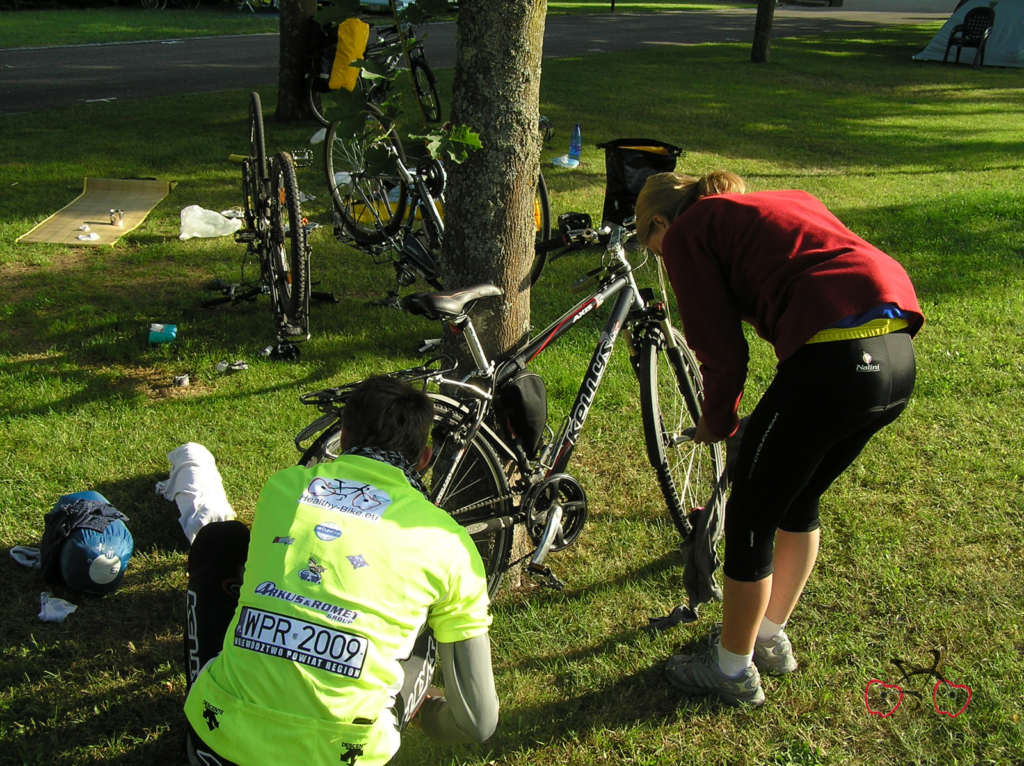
point(494, 470)
point(391, 48)
point(275, 235)
point(391, 209)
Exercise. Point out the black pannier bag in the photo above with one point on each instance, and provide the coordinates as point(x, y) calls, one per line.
point(629, 162)
point(521, 406)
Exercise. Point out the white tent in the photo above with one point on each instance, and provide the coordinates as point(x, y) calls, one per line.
point(1005, 45)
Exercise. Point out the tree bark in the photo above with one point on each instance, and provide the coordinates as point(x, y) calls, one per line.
point(762, 31)
point(291, 95)
point(489, 229)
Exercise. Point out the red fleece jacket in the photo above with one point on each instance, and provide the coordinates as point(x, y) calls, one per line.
point(780, 261)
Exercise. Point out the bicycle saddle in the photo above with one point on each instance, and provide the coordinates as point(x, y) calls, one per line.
point(446, 305)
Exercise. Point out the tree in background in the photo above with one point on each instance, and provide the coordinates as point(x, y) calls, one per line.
point(294, 24)
point(489, 234)
point(762, 31)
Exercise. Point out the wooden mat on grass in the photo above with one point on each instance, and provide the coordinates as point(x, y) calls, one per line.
point(135, 196)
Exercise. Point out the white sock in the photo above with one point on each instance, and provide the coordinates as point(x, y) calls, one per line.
point(732, 664)
point(768, 629)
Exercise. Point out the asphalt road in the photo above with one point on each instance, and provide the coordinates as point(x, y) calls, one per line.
point(41, 78)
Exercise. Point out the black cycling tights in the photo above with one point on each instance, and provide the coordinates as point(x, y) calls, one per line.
point(823, 406)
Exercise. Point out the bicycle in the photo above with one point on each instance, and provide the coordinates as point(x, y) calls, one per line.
point(391, 210)
point(492, 470)
point(390, 46)
point(275, 235)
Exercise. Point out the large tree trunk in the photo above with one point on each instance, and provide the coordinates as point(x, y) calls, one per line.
point(291, 96)
point(762, 31)
point(489, 234)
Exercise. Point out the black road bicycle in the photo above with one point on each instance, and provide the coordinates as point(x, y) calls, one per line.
point(391, 48)
point(491, 474)
point(390, 209)
point(275, 235)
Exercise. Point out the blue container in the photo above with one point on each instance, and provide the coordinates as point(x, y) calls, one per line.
point(162, 333)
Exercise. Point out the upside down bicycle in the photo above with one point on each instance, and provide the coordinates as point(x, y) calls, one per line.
point(491, 474)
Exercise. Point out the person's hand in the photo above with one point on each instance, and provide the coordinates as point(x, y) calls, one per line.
point(703, 434)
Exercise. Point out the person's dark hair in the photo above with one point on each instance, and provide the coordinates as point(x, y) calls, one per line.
point(388, 414)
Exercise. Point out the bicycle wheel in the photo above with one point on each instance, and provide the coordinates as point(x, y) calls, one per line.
point(369, 197)
point(670, 402)
point(155, 5)
point(542, 222)
point(315, 98)
point(257, 141)
point(425, 86)
point(472, 490)
point(286, 250)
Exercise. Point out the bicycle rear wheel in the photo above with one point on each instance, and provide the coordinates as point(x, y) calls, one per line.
point(542, 223)
point(425, 87)
point(369, 197)
point(257, 140)
point(287, 251)
point(465, 479)
point(670, 401)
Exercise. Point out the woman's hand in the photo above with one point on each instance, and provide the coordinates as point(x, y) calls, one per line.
point(703, 434)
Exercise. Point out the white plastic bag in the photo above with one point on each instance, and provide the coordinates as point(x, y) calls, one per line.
point(199, 222)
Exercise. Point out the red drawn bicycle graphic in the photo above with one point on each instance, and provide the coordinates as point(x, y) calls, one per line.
point(883, 699)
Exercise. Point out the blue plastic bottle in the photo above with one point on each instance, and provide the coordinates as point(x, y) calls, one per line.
point(576, 143)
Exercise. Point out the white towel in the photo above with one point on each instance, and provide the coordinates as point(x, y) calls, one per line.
point(195, 486)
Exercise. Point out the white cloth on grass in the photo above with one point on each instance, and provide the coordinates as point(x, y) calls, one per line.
point(195, 486)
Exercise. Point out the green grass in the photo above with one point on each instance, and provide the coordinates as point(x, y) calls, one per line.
point(921, 537)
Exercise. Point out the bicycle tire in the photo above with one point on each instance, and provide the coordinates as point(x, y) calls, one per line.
point(286, 250)
point(424, 85)
point(315, 99)
point(257, 137)
point(476, 479)
point(369, 205)
point(670, 402)
point(542, 223)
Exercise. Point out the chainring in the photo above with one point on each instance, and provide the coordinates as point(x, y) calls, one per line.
point(563, 489)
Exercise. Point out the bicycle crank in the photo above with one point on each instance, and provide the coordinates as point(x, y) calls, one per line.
point(556, 510)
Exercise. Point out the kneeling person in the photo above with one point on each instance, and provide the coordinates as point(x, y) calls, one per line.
point(323, 650)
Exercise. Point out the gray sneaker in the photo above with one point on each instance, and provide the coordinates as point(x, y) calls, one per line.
point(699, 675)
point(773, 657)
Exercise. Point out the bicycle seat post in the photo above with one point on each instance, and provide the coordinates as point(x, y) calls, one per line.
point(484, 366)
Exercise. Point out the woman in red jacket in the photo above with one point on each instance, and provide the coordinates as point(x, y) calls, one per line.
point(840, 315)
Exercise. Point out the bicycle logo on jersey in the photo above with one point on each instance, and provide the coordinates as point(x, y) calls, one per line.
point(353, 497)
point(949, 699)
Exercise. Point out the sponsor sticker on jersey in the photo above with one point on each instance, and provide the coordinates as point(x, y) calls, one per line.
point(354, 498)
point(327, 532)
point(269, 589)
point(290, 638)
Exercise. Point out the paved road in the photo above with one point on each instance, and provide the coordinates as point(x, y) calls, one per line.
point(41, 78)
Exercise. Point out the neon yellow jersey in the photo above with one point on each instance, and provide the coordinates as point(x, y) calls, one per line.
point(346, 563)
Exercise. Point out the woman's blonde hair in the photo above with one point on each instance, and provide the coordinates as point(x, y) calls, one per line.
point(669, 194)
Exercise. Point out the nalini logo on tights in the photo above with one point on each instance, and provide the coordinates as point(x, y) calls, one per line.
point(868, 364)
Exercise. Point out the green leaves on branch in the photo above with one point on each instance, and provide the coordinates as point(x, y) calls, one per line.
point(451, 143)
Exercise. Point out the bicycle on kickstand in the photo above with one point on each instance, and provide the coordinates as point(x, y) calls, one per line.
point(496, 465)
point(275, 235)
point(392, 210)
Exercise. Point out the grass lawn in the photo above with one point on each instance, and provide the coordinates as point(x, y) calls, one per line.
point(922, 537)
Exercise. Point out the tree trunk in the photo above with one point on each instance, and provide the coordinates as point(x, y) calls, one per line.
point(762, 31)
point(291, 90)
point(489, 232)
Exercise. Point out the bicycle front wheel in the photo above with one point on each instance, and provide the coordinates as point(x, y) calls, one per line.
point(465, 479)
point(369, 197)
point(671, 395)
point(288, 254)
point(425, 87)
point(542, 224)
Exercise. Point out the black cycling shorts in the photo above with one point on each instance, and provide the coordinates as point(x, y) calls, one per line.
point(823, 406)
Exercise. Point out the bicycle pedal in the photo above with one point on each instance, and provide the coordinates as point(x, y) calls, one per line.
point(244, 236)
point(545, 576)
